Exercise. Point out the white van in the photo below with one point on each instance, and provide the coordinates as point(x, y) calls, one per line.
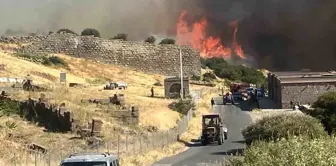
point(91, 159)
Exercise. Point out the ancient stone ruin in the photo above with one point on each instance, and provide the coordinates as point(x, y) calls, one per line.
point(159, 59)
point(172, 86)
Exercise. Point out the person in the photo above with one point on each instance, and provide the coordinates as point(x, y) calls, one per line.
point(211, 122)
point(152, 92)
point(212, 102)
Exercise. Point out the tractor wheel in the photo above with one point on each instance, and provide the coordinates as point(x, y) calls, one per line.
point(220, 139)
point(204, 142)
point(225, 135)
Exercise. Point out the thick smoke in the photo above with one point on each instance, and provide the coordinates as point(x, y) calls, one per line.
point(279, 34)
point(137, 18)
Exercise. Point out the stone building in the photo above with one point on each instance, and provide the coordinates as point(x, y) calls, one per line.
point(299, 87)
point(172, 86)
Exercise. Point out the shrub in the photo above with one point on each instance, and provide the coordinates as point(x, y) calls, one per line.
point(209, 77)
point(43, 59)
point(150, 39)
point(195, 77)
point(9, 107)
point(325, 110)
point(121, 36)
point(90, 32)
point(295, 151)
point(167, 41)
point(182, 106)
point(272, 128)
point(65, 30)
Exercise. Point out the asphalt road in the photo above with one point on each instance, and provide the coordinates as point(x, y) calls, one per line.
point(235, 119)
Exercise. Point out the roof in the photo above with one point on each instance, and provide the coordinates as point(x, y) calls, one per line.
point(321, 79)
point(82, 157)
point(211, 114)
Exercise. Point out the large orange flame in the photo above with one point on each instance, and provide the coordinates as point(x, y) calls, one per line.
point(208, 46)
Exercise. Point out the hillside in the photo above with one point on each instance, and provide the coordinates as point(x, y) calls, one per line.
point(154, 112)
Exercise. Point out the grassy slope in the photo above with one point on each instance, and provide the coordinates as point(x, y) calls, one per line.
point(154, 112)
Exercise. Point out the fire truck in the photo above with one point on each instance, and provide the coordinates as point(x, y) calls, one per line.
point(241, 90)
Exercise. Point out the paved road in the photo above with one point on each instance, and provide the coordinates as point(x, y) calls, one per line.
point(235, 120)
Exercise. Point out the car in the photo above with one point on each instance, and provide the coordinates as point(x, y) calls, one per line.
point(91, 159)
point(228, 98)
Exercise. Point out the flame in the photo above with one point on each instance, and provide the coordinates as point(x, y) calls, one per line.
point(208, 46)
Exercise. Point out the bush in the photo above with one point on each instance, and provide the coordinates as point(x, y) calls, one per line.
point(209, 77)
point(65, 30)
point(150, 39)
point(294, 152)
point(167, 41)
point(121, 36)
point(182, 106)
point(272, 128)
point(325, 110)
point(90, 32)
point(195, 77)
point(9, 107)
point(43, 59)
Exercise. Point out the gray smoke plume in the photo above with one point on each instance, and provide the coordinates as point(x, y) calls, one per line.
point(137, 18)
point(278, 34)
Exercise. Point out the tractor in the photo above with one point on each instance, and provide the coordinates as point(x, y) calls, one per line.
point(213, 129)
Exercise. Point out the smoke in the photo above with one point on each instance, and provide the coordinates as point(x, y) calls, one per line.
point(278, 34)
point(137, 18)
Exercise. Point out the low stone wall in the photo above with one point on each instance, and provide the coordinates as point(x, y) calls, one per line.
point(53, 118)
point(146, 57)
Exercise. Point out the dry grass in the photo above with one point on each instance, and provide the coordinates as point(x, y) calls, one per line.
point(153, 111)
point(150, 157)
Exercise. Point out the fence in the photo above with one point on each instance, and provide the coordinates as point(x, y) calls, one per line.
point(128, 144)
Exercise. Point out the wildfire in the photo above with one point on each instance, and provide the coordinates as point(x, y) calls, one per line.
point(209, 46)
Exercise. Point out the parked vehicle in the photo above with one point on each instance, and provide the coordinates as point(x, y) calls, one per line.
point(91, 159)
point(228, 98)
point(115, 85)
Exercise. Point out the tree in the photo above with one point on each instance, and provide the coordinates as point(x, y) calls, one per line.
point(167, 41)
point(90, 32)
point(150, 39)
point(274, 128)
point(294, 151)
point(122, 36)
point(325, 110)
point(65, 30)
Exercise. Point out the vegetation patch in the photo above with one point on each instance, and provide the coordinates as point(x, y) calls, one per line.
point(167, 41)
point(274, 128)
point(43, 59)
point(294, 151)
point(183, 106)
point(325, 111)
point(234, 73)
point(9, 107)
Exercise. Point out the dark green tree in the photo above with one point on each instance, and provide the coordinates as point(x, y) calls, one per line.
point(90, 32)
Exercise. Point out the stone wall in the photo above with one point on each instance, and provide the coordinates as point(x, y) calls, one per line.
point(304, 93)
point(53, 118)
point(146, 57)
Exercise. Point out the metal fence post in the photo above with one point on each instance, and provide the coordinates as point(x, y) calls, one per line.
point(35, 159)
point(147, 142)
point(118, 144)
point(14, 159)
point(134, 151)
point(140, 143)
point(126, 142)
point(49, 158)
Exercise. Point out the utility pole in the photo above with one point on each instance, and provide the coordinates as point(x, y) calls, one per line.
point(181, 66)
